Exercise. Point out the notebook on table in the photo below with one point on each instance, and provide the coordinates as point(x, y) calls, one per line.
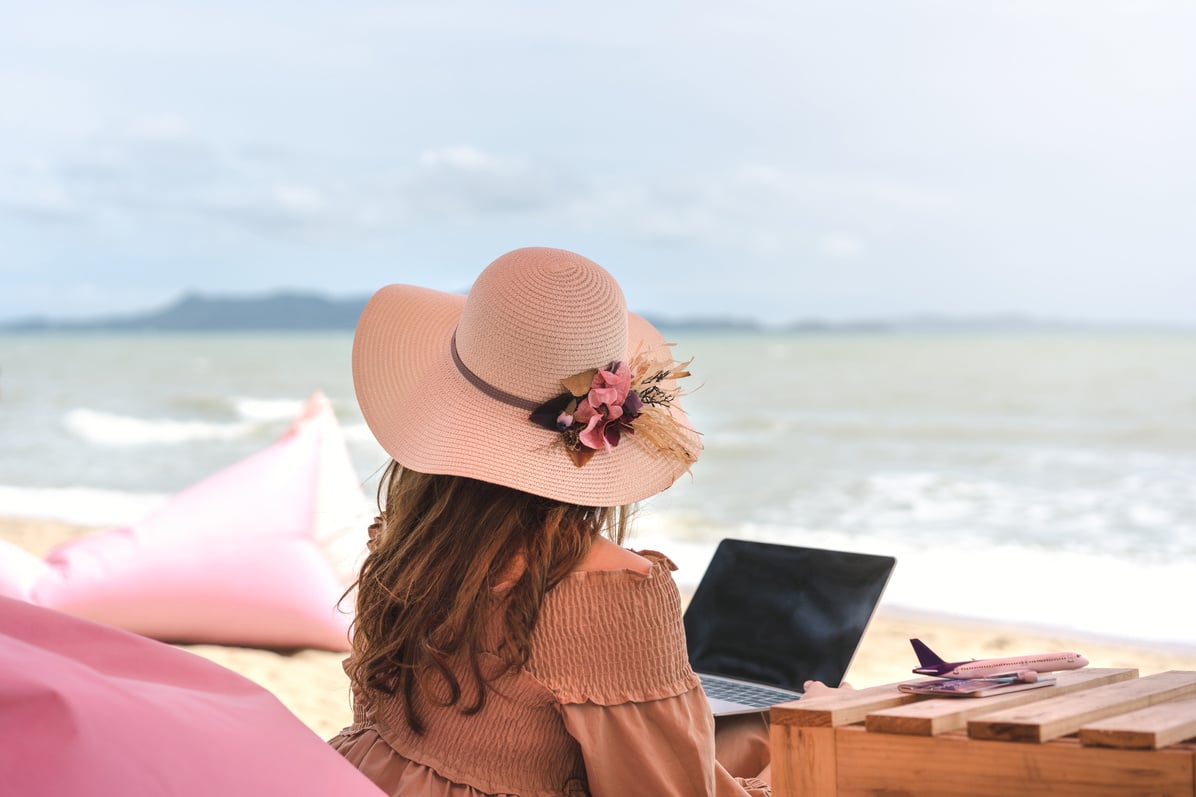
point(766, 618)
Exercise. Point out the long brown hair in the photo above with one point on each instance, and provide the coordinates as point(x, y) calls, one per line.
point(426, 587)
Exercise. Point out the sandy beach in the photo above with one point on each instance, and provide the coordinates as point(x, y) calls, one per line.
point(312, 684)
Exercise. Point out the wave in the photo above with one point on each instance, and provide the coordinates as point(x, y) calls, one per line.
point(358, 433)
point(1145, 510)
point(252, 414)
point(1085, 594)
point(88, 506)
point(103, 428)
point(263, 410)
point(1106, 594)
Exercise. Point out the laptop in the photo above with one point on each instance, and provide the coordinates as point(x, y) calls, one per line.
point(766, 618)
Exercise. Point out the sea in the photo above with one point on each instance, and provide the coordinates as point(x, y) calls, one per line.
point(1043, 478)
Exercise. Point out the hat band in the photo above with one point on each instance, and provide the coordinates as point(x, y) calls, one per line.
point(487, 388)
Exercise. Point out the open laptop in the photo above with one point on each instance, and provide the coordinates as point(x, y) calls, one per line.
point(766, 618)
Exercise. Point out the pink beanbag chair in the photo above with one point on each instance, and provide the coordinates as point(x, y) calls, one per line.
point(257, 554)
point(90, 709)
point(20, 571)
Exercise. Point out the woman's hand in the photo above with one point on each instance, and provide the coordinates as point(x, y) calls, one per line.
point(819, 689)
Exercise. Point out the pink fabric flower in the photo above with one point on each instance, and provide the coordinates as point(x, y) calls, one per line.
point(598, 406)
point(601, 428)
point(610, 387)
point(603, 407)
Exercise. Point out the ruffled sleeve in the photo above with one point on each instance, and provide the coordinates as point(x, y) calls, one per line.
point(613, 636)
point(610, 646)
point(664, 748)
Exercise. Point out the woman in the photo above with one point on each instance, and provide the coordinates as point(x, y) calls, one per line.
point(505, 642)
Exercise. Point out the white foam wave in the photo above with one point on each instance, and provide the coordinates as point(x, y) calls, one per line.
point(263, 410)
point(84, 505)
point(1088, 594)
point(358, 433)
point(104, 428)
point(1117, 514)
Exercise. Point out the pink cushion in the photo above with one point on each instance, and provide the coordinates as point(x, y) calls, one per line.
point(19, 571)
point(90, 709)
point(257, 554)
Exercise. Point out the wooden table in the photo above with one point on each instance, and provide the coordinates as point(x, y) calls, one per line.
point(1096, 732)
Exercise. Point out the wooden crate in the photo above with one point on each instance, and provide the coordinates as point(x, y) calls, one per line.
point(1096, 733)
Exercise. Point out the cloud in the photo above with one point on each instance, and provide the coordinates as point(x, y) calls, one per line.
point(840, 246)
point(161, 127)
point(467, 181)
point(467, 159)
point(757, 210)
point(159, 171)
point(280, 210)
point(40, 199)
point(302, 200)
point(738, 208)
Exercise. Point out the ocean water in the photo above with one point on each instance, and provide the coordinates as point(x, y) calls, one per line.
point(1045, 479)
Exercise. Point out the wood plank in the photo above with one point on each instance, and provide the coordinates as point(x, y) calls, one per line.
point(949, 765)
point(929, 717)
point(1146, 729)
point(838, 709)
point(1059, 716)
point(803, 761)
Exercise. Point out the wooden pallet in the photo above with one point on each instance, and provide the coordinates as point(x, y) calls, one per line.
point(1096, 732)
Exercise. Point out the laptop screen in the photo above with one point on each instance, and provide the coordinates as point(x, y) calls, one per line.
point(780, 614)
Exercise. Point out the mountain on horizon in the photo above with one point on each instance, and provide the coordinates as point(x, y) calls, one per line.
point(195, 312)
point(283, 311)
point(297, 311)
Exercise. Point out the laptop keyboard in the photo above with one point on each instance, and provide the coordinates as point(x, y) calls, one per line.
point(745, 693)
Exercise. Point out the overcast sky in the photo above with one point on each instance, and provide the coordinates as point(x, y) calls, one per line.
point(777, 160)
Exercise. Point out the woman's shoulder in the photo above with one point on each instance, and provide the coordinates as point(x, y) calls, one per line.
point(614, 634)
point(611, 573)
point(605, 555)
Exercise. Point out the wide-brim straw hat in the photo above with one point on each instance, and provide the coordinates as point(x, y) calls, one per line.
point(447, 382)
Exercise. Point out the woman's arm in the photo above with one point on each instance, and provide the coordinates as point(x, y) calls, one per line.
point(663, 748)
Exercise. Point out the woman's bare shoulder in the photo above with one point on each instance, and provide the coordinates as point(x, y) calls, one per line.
point(605, 555)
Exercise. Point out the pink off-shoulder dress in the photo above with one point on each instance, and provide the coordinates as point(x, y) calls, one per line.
point(606, 706)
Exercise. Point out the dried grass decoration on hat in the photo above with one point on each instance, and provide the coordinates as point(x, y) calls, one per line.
point(599, 405)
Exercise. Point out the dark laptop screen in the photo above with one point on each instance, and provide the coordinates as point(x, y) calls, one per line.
point(779, 614)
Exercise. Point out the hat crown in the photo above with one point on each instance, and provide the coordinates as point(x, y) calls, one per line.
point(536, 316)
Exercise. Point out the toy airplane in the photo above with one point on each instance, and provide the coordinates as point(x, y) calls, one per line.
point(1023, 668)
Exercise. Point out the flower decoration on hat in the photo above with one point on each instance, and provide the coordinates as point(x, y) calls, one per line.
point(599, 406)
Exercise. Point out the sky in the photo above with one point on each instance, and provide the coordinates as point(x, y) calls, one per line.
point(777, 161)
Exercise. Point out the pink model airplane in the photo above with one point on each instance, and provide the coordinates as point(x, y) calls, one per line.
point(1023, 668)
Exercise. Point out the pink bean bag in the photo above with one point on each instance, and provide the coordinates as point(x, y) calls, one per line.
point(90, 709)
point(20, 571)
point(257, 554)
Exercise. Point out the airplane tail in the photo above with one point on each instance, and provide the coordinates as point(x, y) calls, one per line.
point(926, 656)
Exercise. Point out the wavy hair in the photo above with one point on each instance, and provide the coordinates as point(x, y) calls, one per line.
point(441, 550)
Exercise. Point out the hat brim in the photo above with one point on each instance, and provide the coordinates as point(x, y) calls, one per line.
point(429, 418)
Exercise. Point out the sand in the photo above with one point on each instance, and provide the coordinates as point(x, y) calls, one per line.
point(312, 684)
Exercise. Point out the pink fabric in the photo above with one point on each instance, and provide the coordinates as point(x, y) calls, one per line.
point(256, 554)
point(89, 709)
point(661, 748)
point(19, 571)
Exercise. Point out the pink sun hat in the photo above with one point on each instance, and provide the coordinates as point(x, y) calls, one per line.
point(539, 380)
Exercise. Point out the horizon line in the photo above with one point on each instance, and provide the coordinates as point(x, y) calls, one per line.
point(726, 321)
